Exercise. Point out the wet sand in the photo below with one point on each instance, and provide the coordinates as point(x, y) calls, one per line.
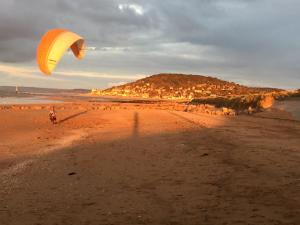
point(148, 166)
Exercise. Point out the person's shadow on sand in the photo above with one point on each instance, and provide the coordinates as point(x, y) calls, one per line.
point(135, 128)
point(72, 116)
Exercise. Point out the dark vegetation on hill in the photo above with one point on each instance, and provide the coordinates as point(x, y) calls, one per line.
point(242, 103)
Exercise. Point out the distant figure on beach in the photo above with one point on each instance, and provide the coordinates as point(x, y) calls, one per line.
point(52, 115)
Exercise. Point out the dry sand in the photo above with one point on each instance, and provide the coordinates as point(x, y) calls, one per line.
point(142, 166)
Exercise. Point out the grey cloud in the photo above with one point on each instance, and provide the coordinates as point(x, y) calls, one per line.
point(247, 40)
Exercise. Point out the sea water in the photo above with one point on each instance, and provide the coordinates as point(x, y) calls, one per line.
point(292, 106)
point(25, 100)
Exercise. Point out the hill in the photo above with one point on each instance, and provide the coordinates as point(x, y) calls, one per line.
point(181, 86)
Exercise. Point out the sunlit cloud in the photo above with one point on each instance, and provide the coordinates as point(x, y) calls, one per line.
point(24, 72)
point(99, 75)
point(31, 73)
point(137, 9)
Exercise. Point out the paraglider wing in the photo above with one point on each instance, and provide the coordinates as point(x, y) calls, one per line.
point(54, 44)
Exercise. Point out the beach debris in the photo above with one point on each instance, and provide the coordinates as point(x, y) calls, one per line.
point(72, 173)
point(54, 44)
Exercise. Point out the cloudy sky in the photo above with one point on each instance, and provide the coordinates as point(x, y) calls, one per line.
point(252, 42)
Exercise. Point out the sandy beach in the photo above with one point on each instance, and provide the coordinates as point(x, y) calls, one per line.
point(140, 165)
point(116, 112)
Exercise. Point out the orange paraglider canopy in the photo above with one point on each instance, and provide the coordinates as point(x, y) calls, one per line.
point(54, 44)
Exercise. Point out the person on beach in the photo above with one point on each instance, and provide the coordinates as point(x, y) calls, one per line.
point(52, 115)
